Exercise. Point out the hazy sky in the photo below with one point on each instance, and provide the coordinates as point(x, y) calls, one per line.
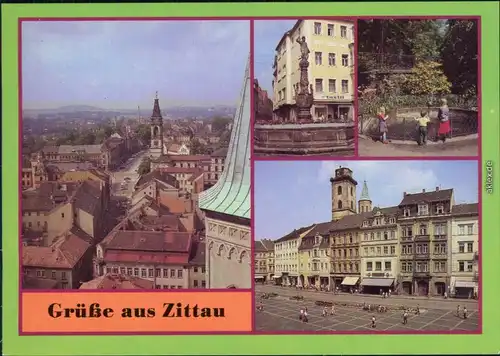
point(267, 34)
point(120, 64)
point(291, 195)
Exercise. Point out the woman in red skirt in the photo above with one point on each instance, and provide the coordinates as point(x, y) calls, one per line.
point(444, 121)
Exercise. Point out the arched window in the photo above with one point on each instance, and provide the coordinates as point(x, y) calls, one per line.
point(155, 131)
point(339, 190)
point(339, 204)
point(231, 253)
point(221, 250)
point(352, 205)
point(352, 192)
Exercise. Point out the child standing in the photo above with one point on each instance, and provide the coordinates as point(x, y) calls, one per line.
point(382, 124)
point(423, 121)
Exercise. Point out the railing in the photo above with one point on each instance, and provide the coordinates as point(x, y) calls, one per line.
point(440, 237)
point(421, 274)
point(422, 237)
point(422, 255)
point(368, 61)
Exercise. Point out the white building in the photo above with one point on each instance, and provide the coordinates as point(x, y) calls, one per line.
point(286, 256)
point(227, 207)
point(464, 250)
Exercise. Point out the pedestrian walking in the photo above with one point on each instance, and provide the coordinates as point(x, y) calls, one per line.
point(417, 312)
point(301, 315)
point(374, 322)
point(405, 317)
point(458, 310)
point(332, 310)
point(305, 318)
point(465, 313)
point(325, 311)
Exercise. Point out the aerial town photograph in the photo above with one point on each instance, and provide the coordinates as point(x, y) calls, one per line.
point(135, 155)
point(304, 88)
point(418, 87)
point(356, 246)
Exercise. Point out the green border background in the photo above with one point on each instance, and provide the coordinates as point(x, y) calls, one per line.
point(226, 345)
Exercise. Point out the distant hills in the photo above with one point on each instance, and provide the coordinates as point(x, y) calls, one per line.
point(85, 111)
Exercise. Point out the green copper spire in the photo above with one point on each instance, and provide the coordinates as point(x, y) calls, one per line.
point(231, 194)
point(364, 192)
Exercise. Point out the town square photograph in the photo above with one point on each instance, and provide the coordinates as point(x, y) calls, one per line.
point(418, 87)
point(304, 87)
point(362, 246)
point(136, 155)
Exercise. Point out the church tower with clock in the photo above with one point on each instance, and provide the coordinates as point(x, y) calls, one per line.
point(156, 146)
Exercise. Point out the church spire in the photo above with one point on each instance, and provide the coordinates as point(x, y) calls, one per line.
point(156, 116)
point(364, 192)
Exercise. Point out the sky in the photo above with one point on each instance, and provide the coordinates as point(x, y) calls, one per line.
point(267, 34)
point(293, 194)
point(121, 64)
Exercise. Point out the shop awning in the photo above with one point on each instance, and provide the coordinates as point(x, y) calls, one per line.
point(276, 277)
point(258, 277)
point(465, 284)
point(350, 281)
point(377, 282)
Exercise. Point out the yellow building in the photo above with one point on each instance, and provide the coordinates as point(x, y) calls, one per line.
point(314, 257)
point(286, 256)
point(263, 260)
point(331, 69)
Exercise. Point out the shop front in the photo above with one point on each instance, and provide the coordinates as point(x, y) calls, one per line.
point(349, 284)
point(377, 285)
point(465, 289)
point(333, 108)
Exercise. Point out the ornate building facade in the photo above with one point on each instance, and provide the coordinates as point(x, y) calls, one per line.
point(227, 207)
point(156, 145)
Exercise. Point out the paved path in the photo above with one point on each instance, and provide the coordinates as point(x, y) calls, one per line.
point(130, 168)
point(281, 314)
point(423, 302)
point(369, 148)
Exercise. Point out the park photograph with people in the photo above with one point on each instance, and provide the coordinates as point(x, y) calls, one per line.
point(417, 87)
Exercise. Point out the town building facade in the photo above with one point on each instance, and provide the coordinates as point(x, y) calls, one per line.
point(331, 70)
point(263, 260)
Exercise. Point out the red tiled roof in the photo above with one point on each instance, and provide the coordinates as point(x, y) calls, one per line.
point(427, 197)
point(189, 157)
point(160, 241)
point(118, 281)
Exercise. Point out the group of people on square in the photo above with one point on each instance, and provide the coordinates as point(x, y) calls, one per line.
point(423, 121)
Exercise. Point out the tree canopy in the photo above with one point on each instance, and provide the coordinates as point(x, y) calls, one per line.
point(219, 123)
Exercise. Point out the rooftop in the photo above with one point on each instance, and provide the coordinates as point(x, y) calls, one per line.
point(437, 195)
point(231, 194)
point(118, 281)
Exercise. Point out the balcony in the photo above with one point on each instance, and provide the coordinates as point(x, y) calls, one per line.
point(422, 256)
point(406, 257)
point(422, 274)
point(421, 238)
point(440, 237)
point(407, 238)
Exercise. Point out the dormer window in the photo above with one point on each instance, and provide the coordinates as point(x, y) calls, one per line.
point(440, 209)
point(365, 223)
point(392, 220)
point(317, 239)
point(423, 209)
point(406, 212)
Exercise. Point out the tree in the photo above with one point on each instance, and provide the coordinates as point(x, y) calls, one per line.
point(197, 148)
point(145, 166)
point(460, 55)
point(144, 133)
point(32, 144)
point(427, 78)
point(219, 123)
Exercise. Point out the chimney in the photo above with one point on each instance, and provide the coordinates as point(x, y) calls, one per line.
point(423, 190)
point(437, 189)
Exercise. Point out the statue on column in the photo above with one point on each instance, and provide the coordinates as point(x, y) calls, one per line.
point(304, 49)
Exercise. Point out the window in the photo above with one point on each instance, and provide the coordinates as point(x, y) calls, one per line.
point(195, 283)
point(179, 273)
point(469, 266)
point(202, 269)
point(343, 31)
point(115, 270)
point(172, 273)
point(392, 221)
point(319, 87)
point(144, 273)
point(195, 269)
point(461, 247)
point(53, 274)
point(439, 266)
point(387, 265)
point(345, 86)
point(461, 266)
point(365, 251)
point(158, 273)
point(423, 209)
point(386, 250)
point(331, 59)
point(393, 234)
point(332, 85)
point(461, 229)
point(345, 60)
point(331, 30)
point(439, 229)
point(122, 270)
point(318, 58)
point(470, 246)
point(62, 215)
point(423, 229)
point(372, 251)
point(386, 236)
point(440, 249)
point(317, 28)
point(378, 266)
point(151, 273)
point(369, 266)
point(379, 250)
point(203, 284)
point(406, 212)
point(365, 224)
point(393, 250)
point(378, 235)
point(440, 209)
point(136, 272)
point(470, 229)
point(372, 236)
point(165, 273)
point(129, 271)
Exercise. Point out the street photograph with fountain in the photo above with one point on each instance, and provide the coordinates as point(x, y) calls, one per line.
point(304, 87)
point(418, 87)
